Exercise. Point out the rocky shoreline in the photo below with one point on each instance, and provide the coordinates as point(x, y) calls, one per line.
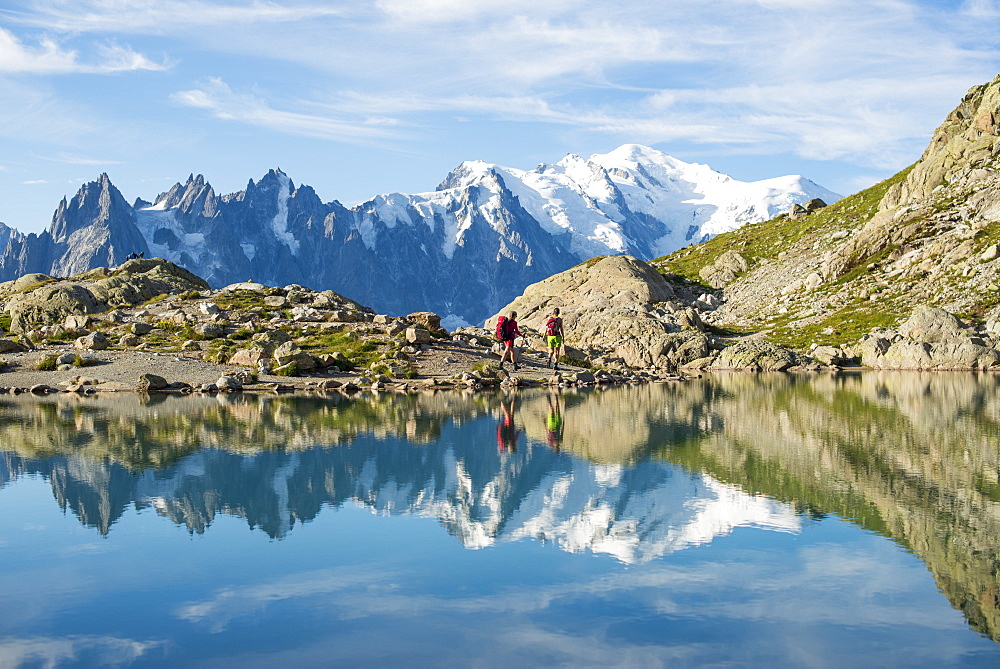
point(151, 326)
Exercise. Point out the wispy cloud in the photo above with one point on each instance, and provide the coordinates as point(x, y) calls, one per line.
point(56, 651)
point(161, 16)
point(48, 57)
point(221, 101)
point(70, 159)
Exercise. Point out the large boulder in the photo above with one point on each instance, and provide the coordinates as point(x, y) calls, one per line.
point(725, 269)
point(931, 324)
point(289, 353)
point(271, 339)
point(248, 357)
point(682, 348)
point(95, 341)
point(150, 383)
point(616, 304)
point(756, 355)
point(418, 336)
point(51, 303)
point(11, 346)
point(954, 355)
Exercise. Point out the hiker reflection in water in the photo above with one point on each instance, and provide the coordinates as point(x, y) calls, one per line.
point(507, 432)
point(554, 423)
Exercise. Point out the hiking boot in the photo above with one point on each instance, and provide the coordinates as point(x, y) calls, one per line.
point(515, 366)
point(501, 367)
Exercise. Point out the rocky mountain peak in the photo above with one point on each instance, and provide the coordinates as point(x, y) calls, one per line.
point(965, 142)
point(96, 202)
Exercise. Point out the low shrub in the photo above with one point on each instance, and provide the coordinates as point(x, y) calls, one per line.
point(47, 364)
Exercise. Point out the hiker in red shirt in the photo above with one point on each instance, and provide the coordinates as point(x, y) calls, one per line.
point(507, 432)
point(507, 331)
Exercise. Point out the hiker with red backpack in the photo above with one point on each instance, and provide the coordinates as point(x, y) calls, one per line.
point(554, 337)
point(506, 332)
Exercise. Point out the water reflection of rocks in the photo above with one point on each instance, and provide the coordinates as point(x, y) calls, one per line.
point(913, 456)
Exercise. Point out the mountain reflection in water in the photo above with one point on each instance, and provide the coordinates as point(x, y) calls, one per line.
point(635, 472)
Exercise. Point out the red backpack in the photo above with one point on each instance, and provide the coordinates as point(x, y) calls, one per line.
point(503, 328)
point(552, 326)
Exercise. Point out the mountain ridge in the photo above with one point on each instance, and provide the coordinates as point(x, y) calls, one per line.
point(461, 250)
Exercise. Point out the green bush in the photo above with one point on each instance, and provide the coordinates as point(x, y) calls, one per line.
point(80, 361)
point(575, 362)
point(291, 370)
point(47, 364)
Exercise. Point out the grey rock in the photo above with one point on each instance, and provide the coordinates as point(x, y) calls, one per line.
point(756, 355)
point(228, 383)
point(418, 336)
point(150, 383)
point(290, 353)
point(95, 341)
point(930, 324)
point(11, 346)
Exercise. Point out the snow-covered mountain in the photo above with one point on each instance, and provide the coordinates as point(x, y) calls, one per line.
point(634, 513)
point(463, 250)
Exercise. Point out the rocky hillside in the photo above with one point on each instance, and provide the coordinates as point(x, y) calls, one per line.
point(151, 318)
point(927, 237)
point(619, 311)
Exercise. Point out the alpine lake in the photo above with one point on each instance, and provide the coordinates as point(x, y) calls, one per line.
point(812, 520)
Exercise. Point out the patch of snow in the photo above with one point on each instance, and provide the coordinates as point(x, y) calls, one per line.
point(279, 224)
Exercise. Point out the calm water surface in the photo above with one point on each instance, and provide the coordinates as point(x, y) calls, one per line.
point(735, 520)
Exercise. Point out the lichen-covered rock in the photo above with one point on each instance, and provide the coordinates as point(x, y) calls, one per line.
point(248, 357)
point(756, 355)
point(949, 355)
point(95, 291)
point(148, 383)
point(271, 339)
point(11, 346)
point(289, 353)
point(95, 341)
point(616, 305)
point(681, 348)
point(930, 324)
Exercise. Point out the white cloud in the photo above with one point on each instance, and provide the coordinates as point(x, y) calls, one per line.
point(162, 16)
point(50, 58)
point(32, 182)
point(70, 159)
point(58, 651)
point(222, 102)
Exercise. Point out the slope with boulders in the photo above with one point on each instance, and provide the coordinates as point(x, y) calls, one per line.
point(927, 237)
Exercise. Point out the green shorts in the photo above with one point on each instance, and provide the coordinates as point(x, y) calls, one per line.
point(555, 341)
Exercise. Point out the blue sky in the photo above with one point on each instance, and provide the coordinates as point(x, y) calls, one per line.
point(364, 97)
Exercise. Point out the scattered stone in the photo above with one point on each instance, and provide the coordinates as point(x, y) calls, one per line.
point(95, 341)
point(10, 346)
point(149, 383)
point(418, 336)
point(228, 384)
